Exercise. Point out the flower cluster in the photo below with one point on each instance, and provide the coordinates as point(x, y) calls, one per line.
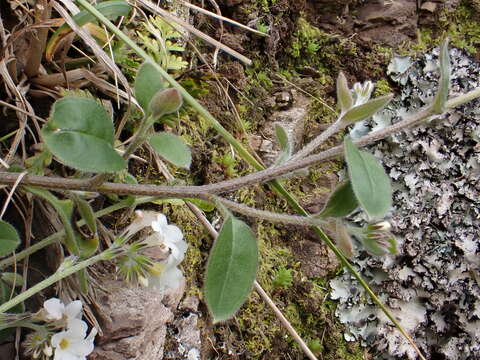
point(64, 335)
point(153, 260)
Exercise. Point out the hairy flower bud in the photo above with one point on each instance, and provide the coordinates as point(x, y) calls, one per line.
point(164, 102)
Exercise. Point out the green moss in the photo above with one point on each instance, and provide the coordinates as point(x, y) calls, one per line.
point(462, 26)
point(316, 48)
point(382, 87)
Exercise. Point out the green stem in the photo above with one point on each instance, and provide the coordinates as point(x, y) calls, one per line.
point(245, 155)
point(59, 275)
point(294, 203)
point(58, 236)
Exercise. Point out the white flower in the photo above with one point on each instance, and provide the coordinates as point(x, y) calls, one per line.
point(171, 236)
point(142, 220)
point(165, 275)
point(72, 344)
point(56, 310)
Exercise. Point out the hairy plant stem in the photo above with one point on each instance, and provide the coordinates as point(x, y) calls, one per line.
point(59, 275)
point(260, 176)
point(319, 140)
point(268, 215)
point(59, 235)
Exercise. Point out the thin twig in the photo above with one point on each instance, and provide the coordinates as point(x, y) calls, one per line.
point(10, 194)
point(16, 108)
point(156, 9)
point(223, 18)
point(284, 321)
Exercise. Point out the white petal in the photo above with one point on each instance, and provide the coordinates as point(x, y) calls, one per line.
point(173, 234)
point(159, 223)
point(57, 338)
point(77, 329)
point(55, 308)
point(81, 348)
point(177, 253)
point(74, 310)
point(143, 219)
point(172, 278)
point(65, 355)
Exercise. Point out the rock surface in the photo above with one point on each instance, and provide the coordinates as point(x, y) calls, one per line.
point(133, 321)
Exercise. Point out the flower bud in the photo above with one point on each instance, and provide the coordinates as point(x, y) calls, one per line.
point(143, 281)
point(382, 226)
point(164, 102)
point(343, 240)
point(47, 351)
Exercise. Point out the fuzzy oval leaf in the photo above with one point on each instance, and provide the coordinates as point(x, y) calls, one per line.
point(172, 148)
point(344, 96)
point(87, 213)
point(284, 144)
point(80, 134)
point(9, 238)
point(231, 270)
point(366, 110)
point(147, 83)
point(282, 138)
point(341, 203)
point(370, 183)
point(64, 209)
point(12, 279)
point(444, 82)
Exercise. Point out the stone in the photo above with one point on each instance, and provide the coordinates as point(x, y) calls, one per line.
point(133, 321)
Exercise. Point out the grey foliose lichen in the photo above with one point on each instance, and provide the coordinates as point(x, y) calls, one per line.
point(433, 284)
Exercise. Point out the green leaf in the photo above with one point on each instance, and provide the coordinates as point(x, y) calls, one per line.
point(441, 98)
point(12, 279)
point(82, 277)
point(284, 144)
point(87, 245)
point(64, 209)
point(344, 96)
point(282, 138)
point(80, 134)
point(366, 110)
point(86, 212)
point(204, 205)
point(370, 183)
point(341, 203)
point(9, 239)
point(147, 83)
point(231, 269)
point(8, 328)
point(172, 148)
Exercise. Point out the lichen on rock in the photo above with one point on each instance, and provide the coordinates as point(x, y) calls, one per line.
point(433, 285)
